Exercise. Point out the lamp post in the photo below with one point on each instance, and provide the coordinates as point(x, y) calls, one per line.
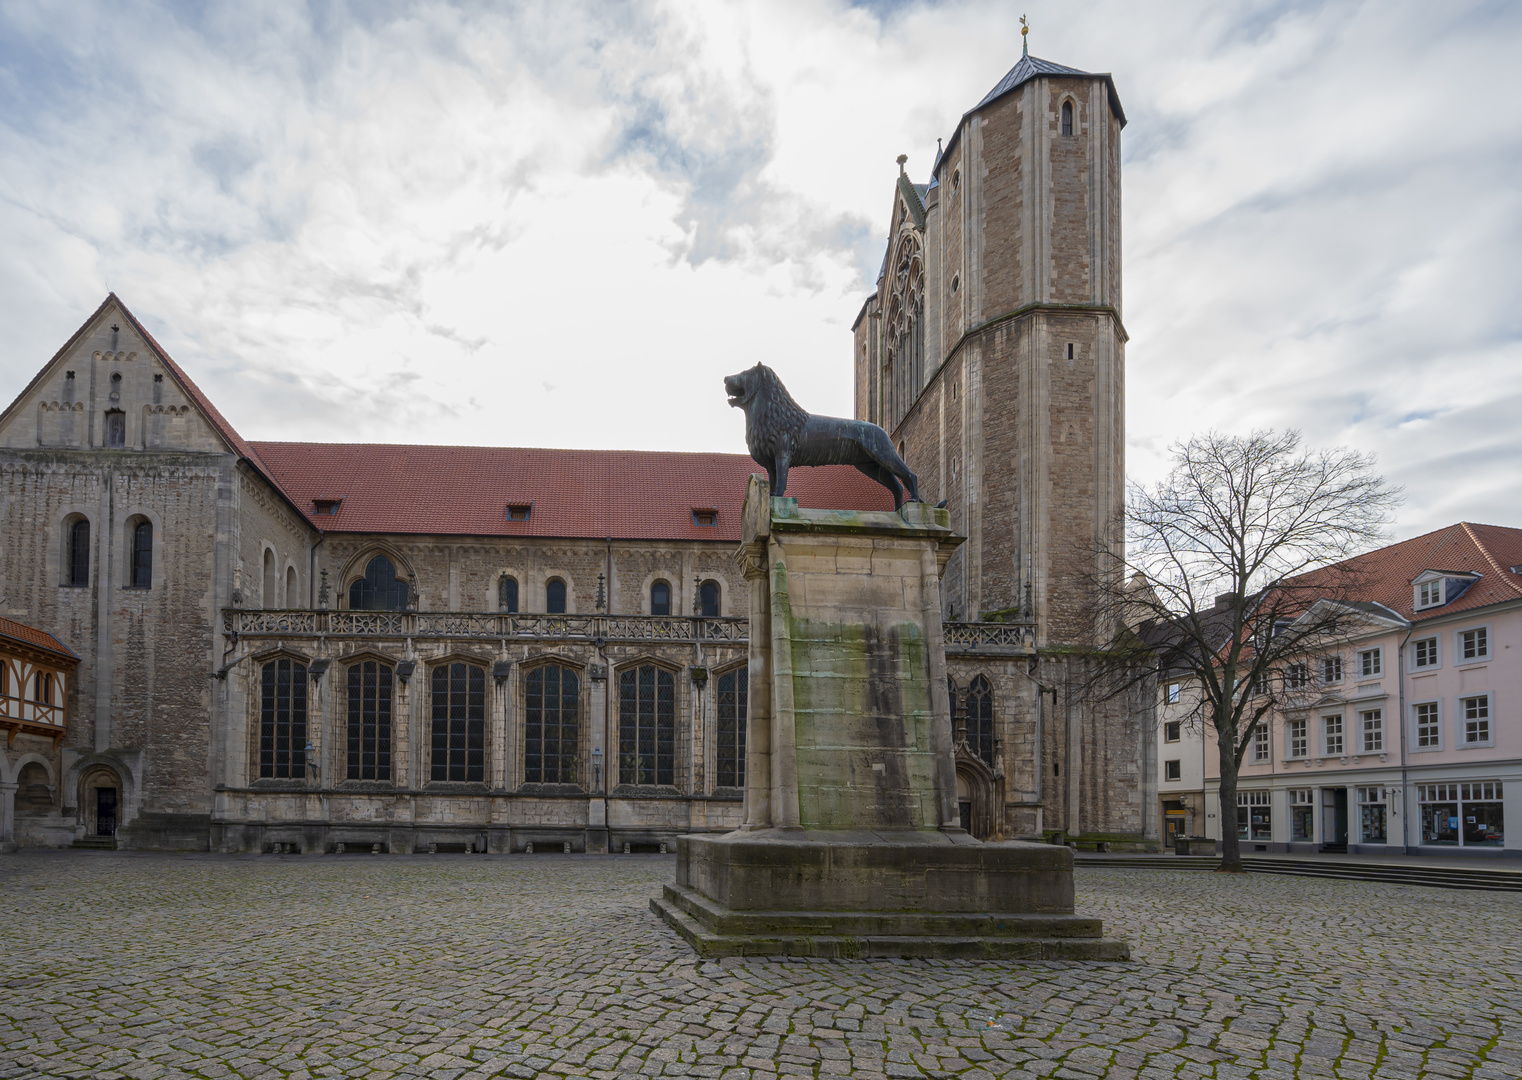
point(597, 768)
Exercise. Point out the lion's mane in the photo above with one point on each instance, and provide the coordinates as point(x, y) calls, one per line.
point(773, 414)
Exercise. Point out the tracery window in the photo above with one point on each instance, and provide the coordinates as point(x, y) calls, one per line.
point(660, 598)
point(708, 599)
point(142, 555)
point(507, 594)
point(734, 693)
point(554, 596)
point(370, 695)
point(904, 360)
point(459, 722)
point(978, 715)
point(646, 725)
point(380, 589)
point(79, 553)
point(550, 725)
point(283, 719)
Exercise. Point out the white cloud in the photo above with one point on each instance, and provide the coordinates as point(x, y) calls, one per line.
point(560, 224)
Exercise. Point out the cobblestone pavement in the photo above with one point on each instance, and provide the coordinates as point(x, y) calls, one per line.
point(549, 965)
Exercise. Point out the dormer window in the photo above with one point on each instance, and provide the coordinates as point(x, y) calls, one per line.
point(1434, 588)
point(1429, 593)
point(519, 511)
point(326, 507)
point(706, 517)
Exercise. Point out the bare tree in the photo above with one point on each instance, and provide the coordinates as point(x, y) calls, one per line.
point(1238, 571)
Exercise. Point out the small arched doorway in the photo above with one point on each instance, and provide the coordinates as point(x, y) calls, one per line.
point(100, 801)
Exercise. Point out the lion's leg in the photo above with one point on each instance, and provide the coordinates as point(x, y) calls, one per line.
point(886, 479)
point(780, 487)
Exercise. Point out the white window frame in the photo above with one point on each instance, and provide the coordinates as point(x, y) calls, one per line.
point(1176, 765)
point(1375, 670)
point(1171, 693)
point(1331, 670)
point(1416, 727)
point(1463, 720)
point(1332, 726)
point(1459, 659)
point(1421, 597)
point(1365, 729)
point(1437, 653)
point(1261, 748)
point(1304, 671)
point(1291, 727)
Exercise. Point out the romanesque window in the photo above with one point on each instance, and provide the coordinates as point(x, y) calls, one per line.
point(379, 589)
point(554, 596)
point(283, 720)
point(734, 691)
point(647, 725)
point(507, 594)
point(79, 553)
point(116, 428)
point(551, 717)
point(1067, 118)
point(708, 599)
point(459, 722)
point(42, 688)
point(268, 598)
point(370, 689)
point(660, 598)
point(978, 715)
point(292, 590)
point(142, 555)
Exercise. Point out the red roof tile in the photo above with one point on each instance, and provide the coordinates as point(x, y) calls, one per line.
point(465, 490)
point(37, 639)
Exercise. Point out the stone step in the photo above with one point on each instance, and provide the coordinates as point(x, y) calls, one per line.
point(1436, 877)
point(95, 843)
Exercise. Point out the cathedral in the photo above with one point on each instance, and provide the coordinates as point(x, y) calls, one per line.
point(320, 647)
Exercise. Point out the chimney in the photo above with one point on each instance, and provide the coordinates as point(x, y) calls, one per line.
point(1225, 600)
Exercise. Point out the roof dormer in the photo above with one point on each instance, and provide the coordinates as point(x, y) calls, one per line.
point(1434, 588)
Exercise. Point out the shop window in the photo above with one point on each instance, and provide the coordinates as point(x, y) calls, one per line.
point(507, 594)
point(380, 589)
point(660, 598)
point(369, 750)
point(1372, 825)
point(554, 596)
point(647, 725)
point(1428, 728)
point(1254, 815)
point(459, 723)
point(1462, 814)
point(1301, 814)
point(1371, 723)
point(1475, 712)
point(283, 720)
point(734, 694)
point(550, 728)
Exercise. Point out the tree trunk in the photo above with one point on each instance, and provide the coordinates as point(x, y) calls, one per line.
point(1231, 844)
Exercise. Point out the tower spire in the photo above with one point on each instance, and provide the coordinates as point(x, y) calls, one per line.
point(1025, 29)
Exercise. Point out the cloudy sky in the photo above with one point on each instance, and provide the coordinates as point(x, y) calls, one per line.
point(560, 224)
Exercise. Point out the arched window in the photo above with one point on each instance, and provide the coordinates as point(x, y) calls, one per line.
point(708, 599)
point(979, 712)
point(79, 554)
point(554, 596)
point(1067, 118)
point(142, 555)
point(42, 688)
point(283, 720)
point(734, 692)
point(116, 428)
point(507, 594)
point(292, 590)
point(370, 683)
point(660, 598)
point(380, 589)
point(646, 726)
point(268, 599)
point(550, 725)
point(459, 722)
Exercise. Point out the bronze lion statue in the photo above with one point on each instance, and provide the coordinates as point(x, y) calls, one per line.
point(780, 434)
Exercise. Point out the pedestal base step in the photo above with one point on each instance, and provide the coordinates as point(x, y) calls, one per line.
point(714, 931)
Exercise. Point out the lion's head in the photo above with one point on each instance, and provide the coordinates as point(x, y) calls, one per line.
point(770, 410)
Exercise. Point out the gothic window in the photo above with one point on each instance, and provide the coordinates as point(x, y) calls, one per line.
point(734, 687)
point(1067, 118)
point(507, 594)
point(79, 553)
point(142, 555)
point(708, 599)
point(660, 598)
point(370, 686)
point(283, 720)
point(978, 711)
point(116, 428)
point(459, 722)
point(646, 725)
point(380, 589)
point(554, 596)
point(904, 361)
point(550, 725)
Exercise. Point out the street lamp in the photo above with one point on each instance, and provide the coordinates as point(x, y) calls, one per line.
point(596, 768)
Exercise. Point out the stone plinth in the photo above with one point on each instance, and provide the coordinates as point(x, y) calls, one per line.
point(852, 844)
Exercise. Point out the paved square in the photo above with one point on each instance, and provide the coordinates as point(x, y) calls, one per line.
point(549, 965)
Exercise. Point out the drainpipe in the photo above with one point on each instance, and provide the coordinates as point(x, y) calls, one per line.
point(1400, 701)
point(1040, 757)
point(312, 571)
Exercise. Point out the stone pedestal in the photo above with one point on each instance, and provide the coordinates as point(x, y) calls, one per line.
point(852, 844)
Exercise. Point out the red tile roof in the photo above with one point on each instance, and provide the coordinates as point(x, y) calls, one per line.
point(37, 639)
point(465, 490)
point(1385, 576)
